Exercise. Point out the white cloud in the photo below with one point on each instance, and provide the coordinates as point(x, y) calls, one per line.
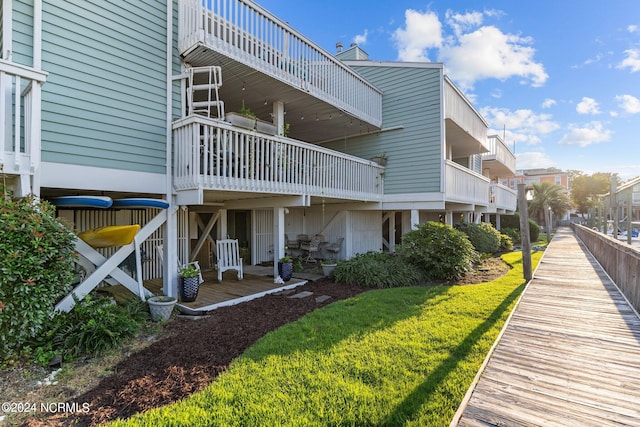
point(489, 53)
point(533, 160)
point(633, 28)
point(590, 133)
point(460, 23)
point(629, 103)
point(588, 106)
point(471, 51)
point(422, 31)
point(361, 39)
point(548, 103)
point(520, 126)
point(632, 61)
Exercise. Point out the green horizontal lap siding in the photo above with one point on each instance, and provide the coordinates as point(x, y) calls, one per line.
point(22, 33)
point(411, 99)
point(104, 102)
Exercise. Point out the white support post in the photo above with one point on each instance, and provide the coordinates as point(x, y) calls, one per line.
point(170, 256)
point(392, 232)
point(498, 226)
point(278, 238)
point(415, 219)
point(223, 228)
point(348, 235)
point(278, 116)
point(448, 218)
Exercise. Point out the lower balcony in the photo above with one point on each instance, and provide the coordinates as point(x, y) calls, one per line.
point(464, 186)
point(503, 199)
point(214, 155)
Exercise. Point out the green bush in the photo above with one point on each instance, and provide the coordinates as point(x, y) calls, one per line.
point(36, 270)
point(484, 237)
point(506, 244)
point(377, 270)
point(94, 325)
point(513, 222)
point(439, 250)
point(512, 233)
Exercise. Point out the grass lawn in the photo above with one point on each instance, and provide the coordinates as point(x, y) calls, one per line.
point(402, 356)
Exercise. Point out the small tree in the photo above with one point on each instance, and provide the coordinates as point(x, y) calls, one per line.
point(36, 269)
point(441, 251)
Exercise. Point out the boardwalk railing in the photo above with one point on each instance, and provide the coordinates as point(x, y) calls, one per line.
point(619, 260)
point(214, 155)
point(247, 33)
point(20, 116)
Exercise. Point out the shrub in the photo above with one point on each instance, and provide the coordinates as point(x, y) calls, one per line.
point(506, 244)
point(484, 237)
point(377, 270)
point(94, 325)
point(512, 233)
point(36, 269)
point(513, 221)
point(439, 250)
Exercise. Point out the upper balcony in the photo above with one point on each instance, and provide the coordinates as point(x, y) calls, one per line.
point(263, 59)
point(214, 155)
point(466, 130)
point(20, 115)
point(500, 161)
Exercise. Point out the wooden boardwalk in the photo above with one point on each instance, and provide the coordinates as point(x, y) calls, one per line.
point(569, 355)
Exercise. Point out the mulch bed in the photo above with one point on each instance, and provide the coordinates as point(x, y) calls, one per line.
point(191, 353)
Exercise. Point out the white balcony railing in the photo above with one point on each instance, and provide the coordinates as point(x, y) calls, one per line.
point(20, 115)
point(251, 35)
point(465, 186)
point(500, 152)
point(458, 109)
point(214, 155)
point(503, 198)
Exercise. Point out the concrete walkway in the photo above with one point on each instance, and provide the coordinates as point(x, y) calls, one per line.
point(569, 355)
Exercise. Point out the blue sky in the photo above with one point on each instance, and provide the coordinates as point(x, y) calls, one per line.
point(560, 78)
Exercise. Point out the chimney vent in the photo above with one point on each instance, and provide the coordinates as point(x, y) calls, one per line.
point(339, 47)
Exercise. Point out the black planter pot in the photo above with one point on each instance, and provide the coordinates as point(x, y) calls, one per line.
point(189, 287)
point(285, 270)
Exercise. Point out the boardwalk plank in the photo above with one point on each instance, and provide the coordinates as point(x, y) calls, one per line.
point(570, 354)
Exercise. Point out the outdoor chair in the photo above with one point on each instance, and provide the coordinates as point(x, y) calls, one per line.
point(196, 264)
point(228, 253)
point(335, 247)
point(311, 248)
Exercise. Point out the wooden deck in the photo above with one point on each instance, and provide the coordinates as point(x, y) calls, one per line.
point(569, 355)
point(214, 294)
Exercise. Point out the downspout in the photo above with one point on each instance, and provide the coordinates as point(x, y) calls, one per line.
point(170, 276)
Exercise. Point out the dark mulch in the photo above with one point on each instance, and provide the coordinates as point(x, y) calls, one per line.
point(191, 353)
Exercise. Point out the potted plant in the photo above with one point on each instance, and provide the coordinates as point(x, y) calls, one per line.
point(189, 283)
point(161, 307)
point(380, 159)
point(285, 268)
point(327, 266)
point(245, 118)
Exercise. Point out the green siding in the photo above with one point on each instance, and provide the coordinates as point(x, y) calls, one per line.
point(411, 99)
point(104, 102)
point(22, 33)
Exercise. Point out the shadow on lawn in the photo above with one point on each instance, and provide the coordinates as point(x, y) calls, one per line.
point(410, 406)
point(322, 330)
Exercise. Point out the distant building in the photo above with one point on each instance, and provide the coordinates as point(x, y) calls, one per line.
point(537, 176)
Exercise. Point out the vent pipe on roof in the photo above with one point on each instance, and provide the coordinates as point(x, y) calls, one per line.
point(339, 46)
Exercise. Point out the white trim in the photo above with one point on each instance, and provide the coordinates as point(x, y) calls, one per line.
point(7, 30)
point(23, 71)
point(77, 177)
point(37, 34)
point(413, 197)
point(393, 64)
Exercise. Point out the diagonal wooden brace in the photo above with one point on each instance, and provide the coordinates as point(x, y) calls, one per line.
point(109, 266)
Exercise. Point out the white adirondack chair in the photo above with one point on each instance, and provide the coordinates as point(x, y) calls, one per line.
point(228, 257)
point(196, 264)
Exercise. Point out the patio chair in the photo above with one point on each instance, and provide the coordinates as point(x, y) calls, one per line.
point(228, 253)
point(310, 248)
point(335, 247)
point(196, 264)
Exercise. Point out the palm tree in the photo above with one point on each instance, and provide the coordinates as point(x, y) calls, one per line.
point(548, 199)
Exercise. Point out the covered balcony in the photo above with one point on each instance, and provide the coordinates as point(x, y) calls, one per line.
point(499, 162)
point(263, 60)
point(211, 154)
point(466, 187)
point(20, 114)
point(503, 199)
point(466, 130)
